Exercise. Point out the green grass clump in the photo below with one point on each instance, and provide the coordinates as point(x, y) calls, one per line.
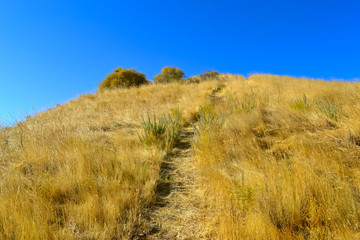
point(123, 78)
point(163, 132)
point(208, 119)
point(153, 130)
point(301, 104)
point(330, 109)
point(245, 105)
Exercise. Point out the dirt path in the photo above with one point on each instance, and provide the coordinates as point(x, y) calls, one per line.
point(175, 214)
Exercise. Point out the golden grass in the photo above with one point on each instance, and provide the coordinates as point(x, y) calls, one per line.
point(279, 170)
point(277, 158)
point(79, 171)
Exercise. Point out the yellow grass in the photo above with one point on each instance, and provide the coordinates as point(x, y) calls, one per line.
point(272, 163)
point(79, 171)
point(282, 170)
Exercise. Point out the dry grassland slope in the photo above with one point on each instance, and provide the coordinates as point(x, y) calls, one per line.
point(270, 158)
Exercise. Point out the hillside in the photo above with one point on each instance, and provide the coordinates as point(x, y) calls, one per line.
point(264, 157)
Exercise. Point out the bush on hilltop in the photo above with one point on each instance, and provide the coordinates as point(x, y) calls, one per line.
point(123, 78)
point(209, 75)
point(169, 74)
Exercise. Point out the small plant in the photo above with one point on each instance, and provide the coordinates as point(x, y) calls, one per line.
point(173, 131)
point(169, 74)
point(331, 110)
point(153, 130)
point(301, 104)
point(246, 105)
point(123, 78)
point(164, 132)
point(244, 194)
point(208, 119)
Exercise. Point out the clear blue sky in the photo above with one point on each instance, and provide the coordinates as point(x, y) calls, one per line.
point(52, 51)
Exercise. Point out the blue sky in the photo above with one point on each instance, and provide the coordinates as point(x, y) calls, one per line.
point(52, 51)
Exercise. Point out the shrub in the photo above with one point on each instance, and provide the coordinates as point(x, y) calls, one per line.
point(210, 75)
point(169, 74)
point(123, 78)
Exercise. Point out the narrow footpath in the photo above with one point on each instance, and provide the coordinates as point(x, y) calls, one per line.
point(175, 214)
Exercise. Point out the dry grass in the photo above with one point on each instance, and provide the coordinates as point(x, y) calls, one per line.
point(277, 158)
point(79, 171)
point(285, 167)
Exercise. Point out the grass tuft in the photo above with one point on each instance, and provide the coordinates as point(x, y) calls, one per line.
point(330, 109)
point(301, 104)
point(163, 132)
point(244, 105)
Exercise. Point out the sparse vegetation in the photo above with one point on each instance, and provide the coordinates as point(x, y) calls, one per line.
point(169, 74)
point(123, 78)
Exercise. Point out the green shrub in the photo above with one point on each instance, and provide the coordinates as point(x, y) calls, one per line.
point(123, 78)
point(169, 74)
point(209, 75)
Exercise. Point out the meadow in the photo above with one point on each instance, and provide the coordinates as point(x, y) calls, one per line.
point(276, 157)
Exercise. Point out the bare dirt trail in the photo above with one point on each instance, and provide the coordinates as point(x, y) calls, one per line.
point(176, 214)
